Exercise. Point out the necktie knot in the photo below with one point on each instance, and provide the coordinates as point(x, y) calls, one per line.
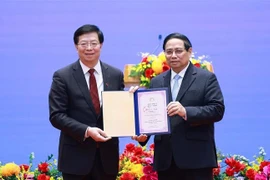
point(176, 77)
point(91, 71)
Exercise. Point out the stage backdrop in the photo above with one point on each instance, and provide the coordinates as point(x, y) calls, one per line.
point(36, 39)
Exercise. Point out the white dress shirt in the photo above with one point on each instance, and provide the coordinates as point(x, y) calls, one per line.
point(99, 79)
point(181, 74)
point(98, 76)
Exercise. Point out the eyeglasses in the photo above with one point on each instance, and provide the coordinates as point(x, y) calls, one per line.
point(170, 52)
point(86, 44)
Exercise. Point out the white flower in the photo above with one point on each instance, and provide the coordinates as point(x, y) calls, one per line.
point(262, 152)
point(240, 178)
point(244, 158)
point(143, 55)
point(55, 162)
point(201, 57)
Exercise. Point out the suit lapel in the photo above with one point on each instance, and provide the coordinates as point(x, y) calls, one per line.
point(106, 81)
point(187, 81)
point(167, 83)
point(80, 78)
point(105, 76)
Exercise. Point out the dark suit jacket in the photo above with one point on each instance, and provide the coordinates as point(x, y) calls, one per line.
point(72, 111)
point(191, 143)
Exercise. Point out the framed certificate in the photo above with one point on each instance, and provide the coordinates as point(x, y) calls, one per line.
point(142, 112)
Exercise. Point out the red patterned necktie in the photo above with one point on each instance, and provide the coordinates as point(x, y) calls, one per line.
point(94, 90)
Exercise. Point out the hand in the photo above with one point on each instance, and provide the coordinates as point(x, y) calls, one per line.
point(140, 138)
point(175, 108)
point(132, 89)
point(97, 134)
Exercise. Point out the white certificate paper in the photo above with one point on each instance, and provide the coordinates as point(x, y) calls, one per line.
point(152, 112)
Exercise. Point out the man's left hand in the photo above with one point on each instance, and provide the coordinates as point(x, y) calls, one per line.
point(140, 138)
point(176, 108)
point(132, 89)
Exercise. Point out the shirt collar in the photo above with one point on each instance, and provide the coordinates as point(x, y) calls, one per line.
point(86, 69)
point(181, 73)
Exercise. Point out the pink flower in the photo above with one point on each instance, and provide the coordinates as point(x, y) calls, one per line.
point(260, 177)
point(266, 170)
point(30, 176)
point(148, 160)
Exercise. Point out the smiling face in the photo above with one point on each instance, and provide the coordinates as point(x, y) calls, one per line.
point(176, 55)
point(89, 48)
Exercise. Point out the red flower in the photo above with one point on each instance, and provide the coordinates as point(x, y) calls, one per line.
point(229, 171)
point(149, 177)
point(149, 72)
point(135, 159)
point(251, 173)
point(127, 176)
point(152, 147)
point(239, 166)
point(230, 162)
point(197, 65)
point(144, 60)
point(43, 177)
point(24, 167)
point(236, 166)
point(216, 171)
point(165, 67)
point(43, 167)
point(130, 147)
point(138, 151)
point(148, 170)
point(147, 154)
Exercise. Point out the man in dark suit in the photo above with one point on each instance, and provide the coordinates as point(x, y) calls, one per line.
point(196, 103)
point(85, 152)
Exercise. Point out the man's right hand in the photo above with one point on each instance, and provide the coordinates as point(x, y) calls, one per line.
point(97, 134)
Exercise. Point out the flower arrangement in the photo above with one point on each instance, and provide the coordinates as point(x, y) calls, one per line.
point(201, 62)
point(46, 170)
point(135, 163)
point(152, 65)
point(236, 167)
point(149, 67)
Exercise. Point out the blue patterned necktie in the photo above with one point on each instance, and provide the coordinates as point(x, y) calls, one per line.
point(175, 88)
